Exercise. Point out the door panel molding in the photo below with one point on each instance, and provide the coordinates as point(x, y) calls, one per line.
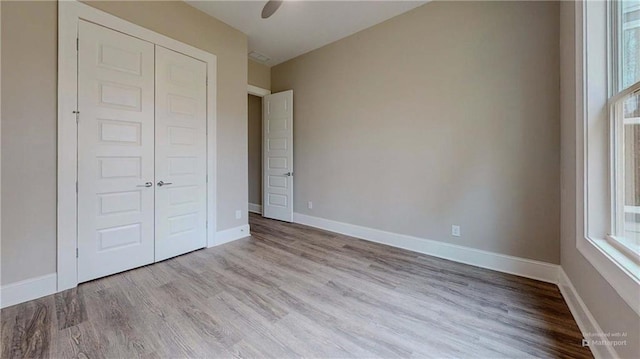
point(180, 156)
point(69, 15)
point(115, 208)
point(277, 156)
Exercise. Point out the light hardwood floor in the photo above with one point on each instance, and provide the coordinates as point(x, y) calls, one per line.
point(292, 291)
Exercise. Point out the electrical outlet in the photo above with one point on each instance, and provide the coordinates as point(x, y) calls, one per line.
point(238, 214)
point(455, 230)
point(310, 205)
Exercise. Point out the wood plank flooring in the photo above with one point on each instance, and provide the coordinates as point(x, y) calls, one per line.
point(292, 291)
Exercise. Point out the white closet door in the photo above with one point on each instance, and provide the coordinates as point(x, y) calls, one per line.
point(115, 152)
point(181, 154)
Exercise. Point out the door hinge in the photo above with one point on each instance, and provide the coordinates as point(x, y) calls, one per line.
point(76, 186)
point(77, 44)
point(76, 252)
point(77, 113)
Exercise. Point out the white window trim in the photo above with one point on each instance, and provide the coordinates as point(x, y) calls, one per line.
point(69, 15)
point(618, 270)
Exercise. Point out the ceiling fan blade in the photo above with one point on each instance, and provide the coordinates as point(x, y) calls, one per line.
point(270, 7)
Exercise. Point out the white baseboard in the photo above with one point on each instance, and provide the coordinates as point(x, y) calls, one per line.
point(586, 322)
point(255, 208)
point(28, 289)
point(543, 271)
point(231, 234)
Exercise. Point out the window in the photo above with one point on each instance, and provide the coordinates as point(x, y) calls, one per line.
point(625, 125)
point(627, 34)
point(607, 60)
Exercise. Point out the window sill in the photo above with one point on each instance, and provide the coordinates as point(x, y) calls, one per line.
point(626, 248)
point(615, 266)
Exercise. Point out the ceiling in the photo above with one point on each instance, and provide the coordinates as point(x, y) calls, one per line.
point(301, 26)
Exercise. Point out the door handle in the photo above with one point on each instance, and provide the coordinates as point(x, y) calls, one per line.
point(162, 183)
point(146, 184)
point(289, 174)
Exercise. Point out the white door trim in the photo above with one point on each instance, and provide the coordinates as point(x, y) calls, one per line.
point(69, 14)
point(257, 91)
point(260, 92)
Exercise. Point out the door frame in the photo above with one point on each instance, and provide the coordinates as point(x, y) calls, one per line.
point(259, 92)
point(69, 15)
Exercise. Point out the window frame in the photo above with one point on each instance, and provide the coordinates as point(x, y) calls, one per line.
point(594, 72)
point(618, 207)
point(617, 95)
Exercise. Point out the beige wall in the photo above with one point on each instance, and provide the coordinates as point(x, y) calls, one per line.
point(259, 75)
point(610, 311)
point(28, 150)
point(29, 67)
point(448, 114)
point(255, 149)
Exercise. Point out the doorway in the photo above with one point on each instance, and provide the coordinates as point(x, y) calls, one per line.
point(254, 130)
point(270, 152)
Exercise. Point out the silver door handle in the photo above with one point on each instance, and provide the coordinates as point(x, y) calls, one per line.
point(162, 183)
point(289, 174)
point(146, 184)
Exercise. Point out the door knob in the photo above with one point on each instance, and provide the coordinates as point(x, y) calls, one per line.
point(162, 183)
point(289, 174)
point(146, 184)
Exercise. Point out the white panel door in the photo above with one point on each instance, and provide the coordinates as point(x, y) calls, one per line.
point(115, 152)
point(277, 152)
point(181, 154)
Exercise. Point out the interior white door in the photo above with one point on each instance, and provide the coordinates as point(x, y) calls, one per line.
point(115, 152)
point(181, 154)
point(277, 156)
